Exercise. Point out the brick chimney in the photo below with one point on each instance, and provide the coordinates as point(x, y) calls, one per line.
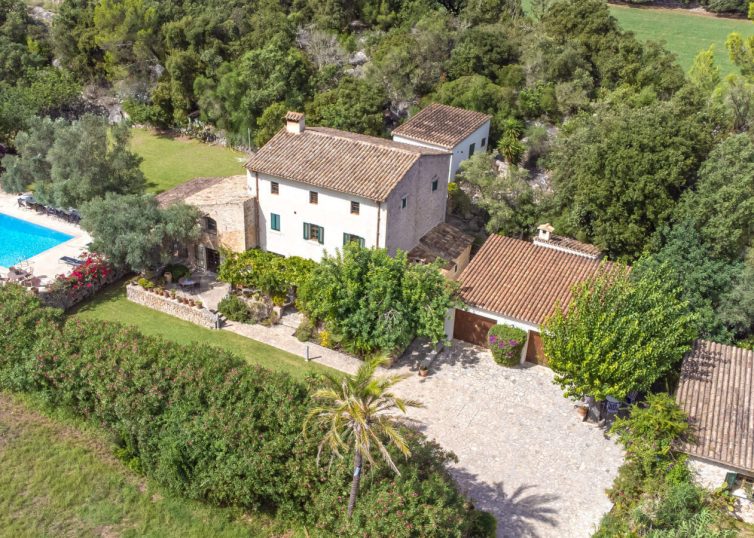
point(545, 230)
point(294, 122)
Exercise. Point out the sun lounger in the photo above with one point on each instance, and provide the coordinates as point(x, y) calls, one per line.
point(71, 261)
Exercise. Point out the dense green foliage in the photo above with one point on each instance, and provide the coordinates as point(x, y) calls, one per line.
point(134, 231)
point(73, 163)
point(372, 302)
point(618, 334)
point(207, 426)
point(234, 308)
point(506, 344)
point(270, 273)
point(619, 174)
point(653, 494)
point(354, 414)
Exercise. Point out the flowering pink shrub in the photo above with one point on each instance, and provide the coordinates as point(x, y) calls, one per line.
point(506, 344)
point(82, 282)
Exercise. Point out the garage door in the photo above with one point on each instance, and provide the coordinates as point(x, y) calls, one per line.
point(534, 350)
point(472, 327)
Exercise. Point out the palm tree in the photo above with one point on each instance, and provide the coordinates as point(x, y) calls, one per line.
point(354, 413)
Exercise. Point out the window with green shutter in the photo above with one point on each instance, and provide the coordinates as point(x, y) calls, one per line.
point(275, 221)
point(312, 232)
point(350, 238)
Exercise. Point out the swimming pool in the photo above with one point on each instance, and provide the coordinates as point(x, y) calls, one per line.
point(20, 240)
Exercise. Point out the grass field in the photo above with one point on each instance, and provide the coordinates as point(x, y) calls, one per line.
point(58, 478)
point(684, 33)
point(112, 305)
point(170, 161)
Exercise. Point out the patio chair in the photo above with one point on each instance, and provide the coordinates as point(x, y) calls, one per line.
point(71, 261)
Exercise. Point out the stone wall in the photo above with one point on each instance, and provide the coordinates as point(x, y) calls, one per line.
point(712, 475)
point(166, 305)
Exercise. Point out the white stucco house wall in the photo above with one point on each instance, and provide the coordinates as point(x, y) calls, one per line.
point(458, 131)
point(318, 188)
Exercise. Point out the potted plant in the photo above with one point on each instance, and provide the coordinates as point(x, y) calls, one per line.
point(424, 368)
point(191, 302)
point(172, 294)
point(198, 304)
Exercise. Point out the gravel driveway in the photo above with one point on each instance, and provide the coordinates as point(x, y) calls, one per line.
point(524, 454)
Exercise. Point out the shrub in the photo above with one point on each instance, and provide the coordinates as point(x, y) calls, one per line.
point(506, 343)
point(270, 273)
point(235, 309)
point(177, 270)
point(305, 330)
point(144, 283)
point(206, 425)
point(324, 339)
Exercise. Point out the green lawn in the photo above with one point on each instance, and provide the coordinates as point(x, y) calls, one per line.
point(170, 161)
point(684, 33)
point(112, 305)
point(59, 479)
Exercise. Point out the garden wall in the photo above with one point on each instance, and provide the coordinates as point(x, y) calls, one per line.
point(166, 305)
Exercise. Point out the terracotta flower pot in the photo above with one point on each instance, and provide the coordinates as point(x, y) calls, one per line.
point(423, 372)
point(582, 410)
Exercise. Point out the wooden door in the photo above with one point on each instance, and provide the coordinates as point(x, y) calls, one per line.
point(534, 350)
point(472, 328)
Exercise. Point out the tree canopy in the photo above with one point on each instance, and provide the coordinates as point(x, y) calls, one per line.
point(373, 302)
point(72, 163)
point(134, 231)
point(618, 334)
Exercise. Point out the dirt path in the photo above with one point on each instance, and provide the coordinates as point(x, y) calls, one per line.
point(697, 11)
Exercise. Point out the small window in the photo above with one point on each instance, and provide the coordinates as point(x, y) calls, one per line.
point(275, 187)
point(275, 221)
point(471, 149)
point(313, 197)
point(355, 206)
point(210, 225)
point(484, 142)
point(312, 232)
point(350, 238)
point(404, 202)
point(435, 183)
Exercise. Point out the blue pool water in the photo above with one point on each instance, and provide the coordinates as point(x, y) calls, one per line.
point(20, 240)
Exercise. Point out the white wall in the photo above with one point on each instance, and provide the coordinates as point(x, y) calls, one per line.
point(332, 212)
point(461, 151)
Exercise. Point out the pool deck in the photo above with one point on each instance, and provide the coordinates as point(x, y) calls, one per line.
point(47, 264)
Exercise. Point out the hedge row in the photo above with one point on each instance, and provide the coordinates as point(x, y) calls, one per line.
point(208, 426)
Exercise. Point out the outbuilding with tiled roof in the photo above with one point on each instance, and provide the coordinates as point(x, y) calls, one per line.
point(517, 283)
point(716, 391)
point(456, 130)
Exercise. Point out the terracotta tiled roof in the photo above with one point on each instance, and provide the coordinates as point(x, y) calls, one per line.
point(346, 162)
point(442, 125)
point(444, 241)
point(716, 391)
point(520, 280)
point(571, 245)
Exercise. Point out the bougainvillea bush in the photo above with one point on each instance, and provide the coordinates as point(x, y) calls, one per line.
point(506, 344)
point(84, 281)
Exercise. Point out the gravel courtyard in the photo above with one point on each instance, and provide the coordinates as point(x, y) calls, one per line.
point(524, 454)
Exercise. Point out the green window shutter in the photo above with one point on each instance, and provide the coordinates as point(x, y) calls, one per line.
point(321, 235)
point(306, 230)
point(275, 222)
point(361, 242)
point(345, 239)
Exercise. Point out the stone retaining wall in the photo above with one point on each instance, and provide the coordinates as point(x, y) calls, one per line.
point(200, 316)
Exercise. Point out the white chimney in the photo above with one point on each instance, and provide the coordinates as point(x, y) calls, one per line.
point(294, 122)
point(544, 231)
